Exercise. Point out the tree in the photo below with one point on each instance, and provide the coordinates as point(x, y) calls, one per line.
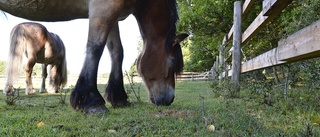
point(133, 69)
point(207, 21)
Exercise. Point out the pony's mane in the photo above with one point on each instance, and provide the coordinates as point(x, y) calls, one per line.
point(172, 26)
point(178, 58)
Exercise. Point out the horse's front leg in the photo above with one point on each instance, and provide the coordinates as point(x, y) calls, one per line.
point(85, 96)
point(102, 15)
point(44, 76)
point(115, 92)
point(29, 86)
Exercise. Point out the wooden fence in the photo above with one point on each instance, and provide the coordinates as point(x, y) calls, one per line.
point(195, 76)
point(304, 44)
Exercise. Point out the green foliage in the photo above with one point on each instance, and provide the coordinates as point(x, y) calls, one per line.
point(36, 71)
point(207, 22)
point(3, 67)
point(309, 74)
point(133, 69)
point(225, 88)
point(297, 15)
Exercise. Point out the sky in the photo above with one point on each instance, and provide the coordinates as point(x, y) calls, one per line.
point(74, 35)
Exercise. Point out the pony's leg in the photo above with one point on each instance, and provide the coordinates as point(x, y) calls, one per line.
point(29, 86)
point(8, 89)
point(115, 92)
point(44, 76)
point(54, 80)
point(85, 96)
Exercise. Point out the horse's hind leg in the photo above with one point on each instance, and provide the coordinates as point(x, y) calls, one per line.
point(44, 76)
point(29, 67)
point(54, 80)
point(8, 89)
point(115, 92)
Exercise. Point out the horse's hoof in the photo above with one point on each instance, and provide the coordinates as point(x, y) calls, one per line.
point(52, 91)
point(42, 91)
point(30, 92)
point(33, 93)
point(9, 93)
point(97, 110)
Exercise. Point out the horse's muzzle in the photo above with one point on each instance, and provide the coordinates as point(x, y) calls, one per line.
point(162, 100)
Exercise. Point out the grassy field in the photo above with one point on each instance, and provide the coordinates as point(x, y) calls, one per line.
point(196, 108)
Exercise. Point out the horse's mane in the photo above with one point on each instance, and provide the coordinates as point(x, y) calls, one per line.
point(178, 58)
point(173, 19)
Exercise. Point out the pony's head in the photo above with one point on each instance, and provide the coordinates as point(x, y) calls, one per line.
point(158, 70)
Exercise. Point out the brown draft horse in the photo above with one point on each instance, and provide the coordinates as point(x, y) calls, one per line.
point(40, 46)
point(158, 63)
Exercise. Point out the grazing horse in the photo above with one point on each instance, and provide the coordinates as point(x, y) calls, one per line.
point(40, 46)
point(158, 63)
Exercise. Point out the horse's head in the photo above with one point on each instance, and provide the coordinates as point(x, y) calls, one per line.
point(158, 68)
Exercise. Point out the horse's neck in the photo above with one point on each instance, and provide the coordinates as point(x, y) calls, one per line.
point(47, 10)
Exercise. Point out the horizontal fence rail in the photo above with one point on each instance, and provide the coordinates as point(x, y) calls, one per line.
point(195, 76)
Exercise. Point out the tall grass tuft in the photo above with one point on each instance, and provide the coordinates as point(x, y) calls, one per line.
point(132, 85)
point(63, 94)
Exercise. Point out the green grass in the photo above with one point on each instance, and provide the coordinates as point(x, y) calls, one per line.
point(195, 107)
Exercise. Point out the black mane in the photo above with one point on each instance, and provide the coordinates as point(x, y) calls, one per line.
point(174, 17)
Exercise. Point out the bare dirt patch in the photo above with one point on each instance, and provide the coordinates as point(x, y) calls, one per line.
point(175, 113)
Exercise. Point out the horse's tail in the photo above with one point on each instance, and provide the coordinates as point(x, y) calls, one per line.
point(17, 48)
point(64, 73)
point(64, 70)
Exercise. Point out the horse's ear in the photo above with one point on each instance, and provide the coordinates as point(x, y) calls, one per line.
point(179, 38)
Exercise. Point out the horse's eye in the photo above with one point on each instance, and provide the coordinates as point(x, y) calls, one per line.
point(171, 60)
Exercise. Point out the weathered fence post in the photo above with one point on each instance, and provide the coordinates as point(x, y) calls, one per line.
point(217, 66)
point(192, 78)
point(237, 39)
point(221, 57)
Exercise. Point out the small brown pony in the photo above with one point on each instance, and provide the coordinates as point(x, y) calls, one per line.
point(40, 46)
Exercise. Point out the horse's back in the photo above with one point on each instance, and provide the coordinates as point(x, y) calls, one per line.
point(33, 33)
